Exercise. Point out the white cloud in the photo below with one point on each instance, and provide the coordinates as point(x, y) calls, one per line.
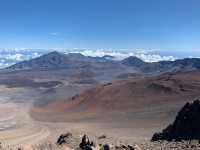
point(16, 57)
point(12, 56)
point(147, 56)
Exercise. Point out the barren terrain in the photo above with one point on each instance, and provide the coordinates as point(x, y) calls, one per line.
point(126, 111)
point(130, 109)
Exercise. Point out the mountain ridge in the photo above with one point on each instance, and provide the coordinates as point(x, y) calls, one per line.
point(56, 60)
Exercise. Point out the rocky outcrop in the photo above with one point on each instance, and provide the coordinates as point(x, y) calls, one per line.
point(86, 144)
point(186, 125)
point(64, 138)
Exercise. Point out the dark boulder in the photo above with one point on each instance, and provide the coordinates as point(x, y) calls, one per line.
point(63, 138)
point(85, 143)
point(106, 147)
point(186, 125)
point(102, 137)
point(124, 147)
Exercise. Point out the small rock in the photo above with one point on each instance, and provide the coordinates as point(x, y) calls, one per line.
point(102, 137)
point(63, 138)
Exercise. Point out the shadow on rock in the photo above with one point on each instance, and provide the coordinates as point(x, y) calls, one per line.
point(186, 125)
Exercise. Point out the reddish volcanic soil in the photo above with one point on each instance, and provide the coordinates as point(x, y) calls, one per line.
point(148, 104)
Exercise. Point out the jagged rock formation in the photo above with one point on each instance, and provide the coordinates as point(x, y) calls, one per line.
point(63, 138)
point(86, 144)
point(186, 125)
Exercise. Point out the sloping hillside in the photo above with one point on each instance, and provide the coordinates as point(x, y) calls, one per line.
point(158, 96)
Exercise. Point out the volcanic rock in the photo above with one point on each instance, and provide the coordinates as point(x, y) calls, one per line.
point(186, 125)
point(63, 138)
point(85, 143)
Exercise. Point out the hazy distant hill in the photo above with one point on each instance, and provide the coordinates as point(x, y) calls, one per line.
point(132, 64)
point(73, 67)
point(133, 61)
point(187, 64)
point(56, 60)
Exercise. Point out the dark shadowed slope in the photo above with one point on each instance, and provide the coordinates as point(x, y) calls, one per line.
point(185, 126)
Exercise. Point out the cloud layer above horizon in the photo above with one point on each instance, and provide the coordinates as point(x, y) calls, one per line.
point(12, 56)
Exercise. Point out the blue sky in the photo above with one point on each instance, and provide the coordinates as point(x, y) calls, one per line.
point(167, 25)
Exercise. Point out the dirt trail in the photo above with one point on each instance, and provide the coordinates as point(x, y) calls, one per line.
point(17, 128)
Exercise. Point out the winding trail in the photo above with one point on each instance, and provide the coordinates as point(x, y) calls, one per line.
point(17, 128)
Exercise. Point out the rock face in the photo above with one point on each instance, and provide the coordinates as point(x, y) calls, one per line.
point(186, 125)
point(63, 138)
point(85, 143)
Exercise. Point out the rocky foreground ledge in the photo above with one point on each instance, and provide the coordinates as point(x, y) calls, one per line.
point(87, 144)
point(165, 145)
point(71, 142)
point(186, 125)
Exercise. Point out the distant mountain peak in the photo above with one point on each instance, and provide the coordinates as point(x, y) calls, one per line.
point(133, 61)
point(53, 53)
point(58, 60)
point(50, 60)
